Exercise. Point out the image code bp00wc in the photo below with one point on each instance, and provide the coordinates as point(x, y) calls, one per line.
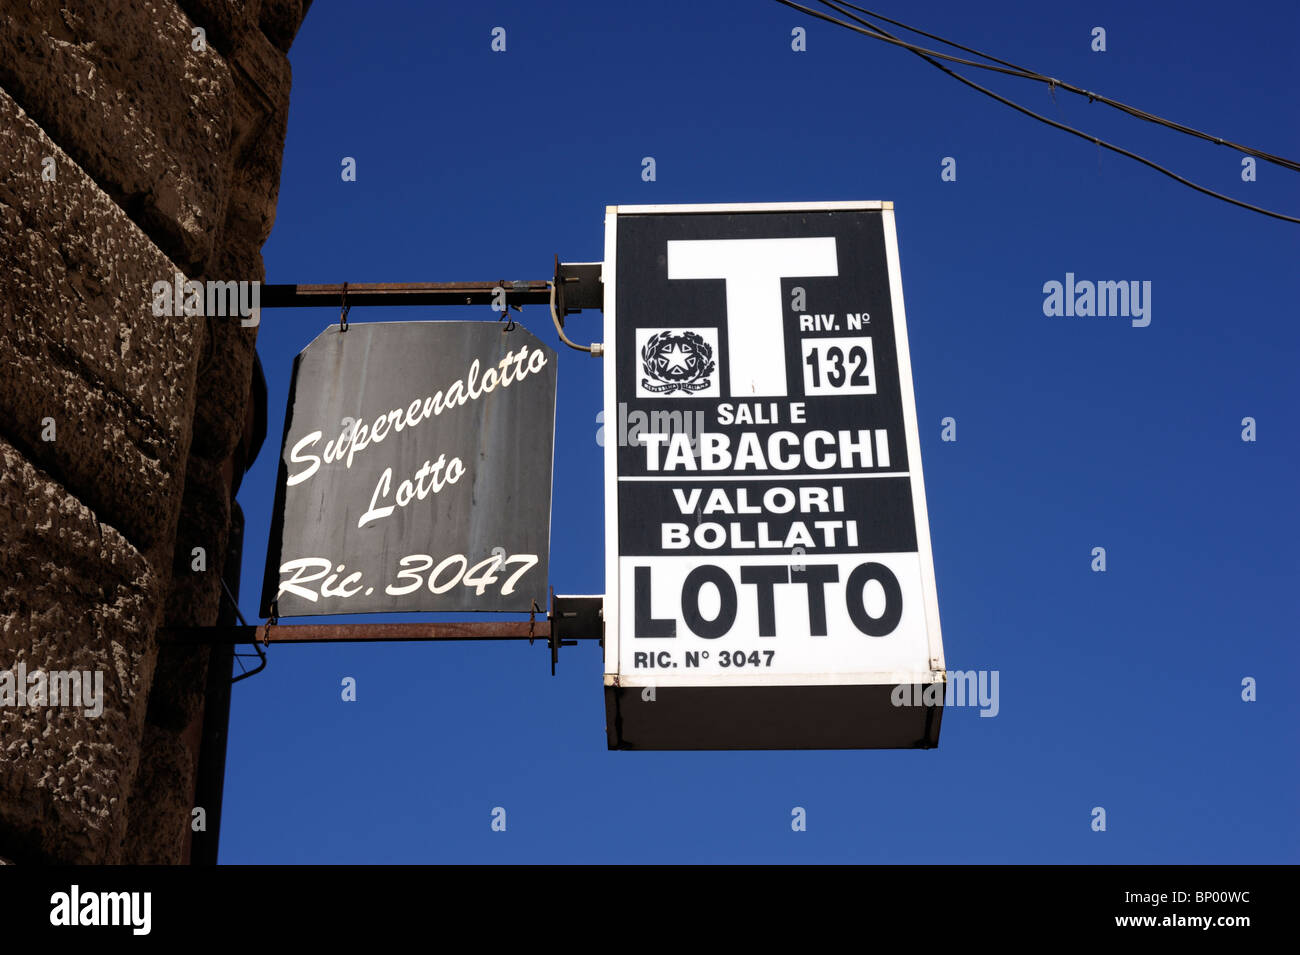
point(769, 577)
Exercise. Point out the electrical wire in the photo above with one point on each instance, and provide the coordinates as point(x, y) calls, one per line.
point(1053, 82)
point(878, 33)
point(595, 349)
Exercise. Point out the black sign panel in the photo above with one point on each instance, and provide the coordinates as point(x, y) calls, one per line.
point(415, 473)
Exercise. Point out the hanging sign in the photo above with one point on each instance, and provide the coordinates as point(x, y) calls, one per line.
point(415, 473)
point(769, 575)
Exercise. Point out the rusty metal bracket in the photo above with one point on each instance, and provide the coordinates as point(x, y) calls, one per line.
point(568, 621)
point(372, 632)
point(357, 632)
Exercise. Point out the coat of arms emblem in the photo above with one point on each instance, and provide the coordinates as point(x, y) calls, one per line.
point(676, 361)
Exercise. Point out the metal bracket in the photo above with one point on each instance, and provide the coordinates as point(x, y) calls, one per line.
point(569, 620)
point(578, 285)
point(574, 618)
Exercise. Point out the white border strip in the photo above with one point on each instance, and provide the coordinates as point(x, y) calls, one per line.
point(701, 477)
point(910, 427)
point(609, 278)
point(875, 205)
point(750, 677)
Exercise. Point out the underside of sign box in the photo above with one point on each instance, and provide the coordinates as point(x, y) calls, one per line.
point(823, 716)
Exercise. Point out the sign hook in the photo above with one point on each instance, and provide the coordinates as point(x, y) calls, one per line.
point(505, 309)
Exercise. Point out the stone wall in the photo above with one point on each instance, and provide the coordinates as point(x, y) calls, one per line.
point(141, 138)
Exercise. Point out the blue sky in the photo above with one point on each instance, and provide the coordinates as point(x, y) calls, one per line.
point(1119, 689)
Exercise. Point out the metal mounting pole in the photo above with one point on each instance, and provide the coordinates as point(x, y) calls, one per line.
point(405, 293)
point(360, 632)
point(571, 617)
point(578, 286)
